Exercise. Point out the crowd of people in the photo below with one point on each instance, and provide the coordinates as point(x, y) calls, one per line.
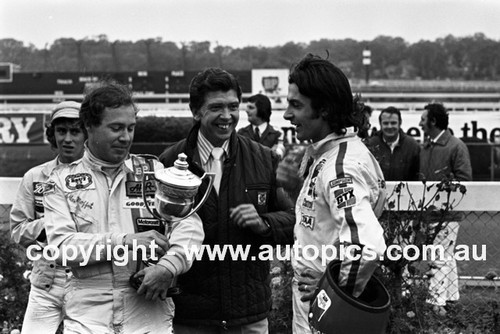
point(333, 194)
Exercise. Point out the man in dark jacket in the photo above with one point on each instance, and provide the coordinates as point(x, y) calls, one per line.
point(259, 113)
point(443, 156)
point(396, 152)
point(243, 210)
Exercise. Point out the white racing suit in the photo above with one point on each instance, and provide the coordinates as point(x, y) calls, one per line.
point(49, 281)
point(90, 213)
point(340, 200)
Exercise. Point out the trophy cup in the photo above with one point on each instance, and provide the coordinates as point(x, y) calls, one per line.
point(176, 188)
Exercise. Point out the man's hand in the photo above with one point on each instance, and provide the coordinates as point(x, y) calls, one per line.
point(308, 283)
point(146, 239)
point(155, 283)
point(245, 215)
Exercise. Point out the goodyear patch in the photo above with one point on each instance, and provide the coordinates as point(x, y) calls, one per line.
point(307, 221)
point(345, 197)
point(137, 203)
point(134, 188)
point(341, 182)
point(78, 181)
point(261, 198)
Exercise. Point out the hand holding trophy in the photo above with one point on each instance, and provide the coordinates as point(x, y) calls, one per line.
point(176, 188)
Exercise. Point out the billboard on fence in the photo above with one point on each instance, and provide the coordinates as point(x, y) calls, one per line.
point(22, 128)
point(270, 82)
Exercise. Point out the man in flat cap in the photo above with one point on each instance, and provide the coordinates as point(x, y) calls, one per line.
point(49, 281)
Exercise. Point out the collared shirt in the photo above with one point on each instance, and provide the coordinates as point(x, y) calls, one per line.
point(261, 127)
point(205, 149)
point(392, 145)
point(433, 140)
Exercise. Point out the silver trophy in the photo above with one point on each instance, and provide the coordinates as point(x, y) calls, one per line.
point(176, 188)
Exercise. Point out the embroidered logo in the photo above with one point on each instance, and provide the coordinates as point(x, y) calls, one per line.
point(146, 224)
point(78, 181)
point(307, 221)
point(311, 192)
point(40, 188)
point(341, 182)
point(261, 198)
point(134, 188)
point(306, 203)
point(345, 197)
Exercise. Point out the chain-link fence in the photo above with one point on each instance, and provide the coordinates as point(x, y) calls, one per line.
point(437, 299)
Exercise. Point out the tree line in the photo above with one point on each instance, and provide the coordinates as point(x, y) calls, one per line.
point(456, 58)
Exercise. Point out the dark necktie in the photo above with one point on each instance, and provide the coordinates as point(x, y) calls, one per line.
point(257, 134)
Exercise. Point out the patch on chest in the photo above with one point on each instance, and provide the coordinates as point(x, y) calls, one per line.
point(307, 221)
point(134, 188)
point(78, 181)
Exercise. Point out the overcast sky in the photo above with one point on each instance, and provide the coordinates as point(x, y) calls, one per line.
point(239, 23)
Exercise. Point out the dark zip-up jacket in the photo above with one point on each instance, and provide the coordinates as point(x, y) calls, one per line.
point(400, 165)
point(232, 292)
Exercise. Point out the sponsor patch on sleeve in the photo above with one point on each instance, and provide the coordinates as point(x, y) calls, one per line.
point(341, 182)
point(345, 197)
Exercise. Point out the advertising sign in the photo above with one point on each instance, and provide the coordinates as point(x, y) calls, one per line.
point(22, 128)
point(270, 82)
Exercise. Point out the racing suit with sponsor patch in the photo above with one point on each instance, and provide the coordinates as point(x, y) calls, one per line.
point(340, 201)
point(49, 281)
point(88, 214)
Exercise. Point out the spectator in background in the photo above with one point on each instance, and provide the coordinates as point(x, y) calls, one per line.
point(443, 156)
point(229, 295)
point(49, 281)
point(343, 191)
point(397, 153)
point(496, 154)
point(94, 208)
point(259, 114)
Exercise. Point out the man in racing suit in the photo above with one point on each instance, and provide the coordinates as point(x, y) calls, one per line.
point(49, 281)
point(97, 219)
point(343, 191)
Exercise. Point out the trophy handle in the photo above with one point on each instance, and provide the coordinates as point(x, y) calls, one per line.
point(211, 178)
point(143, 187)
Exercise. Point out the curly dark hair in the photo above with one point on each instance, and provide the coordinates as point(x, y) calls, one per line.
point(106, 94)
point(329, 90)
point(50, 128)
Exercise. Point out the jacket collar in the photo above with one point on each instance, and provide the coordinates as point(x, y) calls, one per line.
point(191, 149)
point(441, 141)
point(49, 167)
point(326, 144)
